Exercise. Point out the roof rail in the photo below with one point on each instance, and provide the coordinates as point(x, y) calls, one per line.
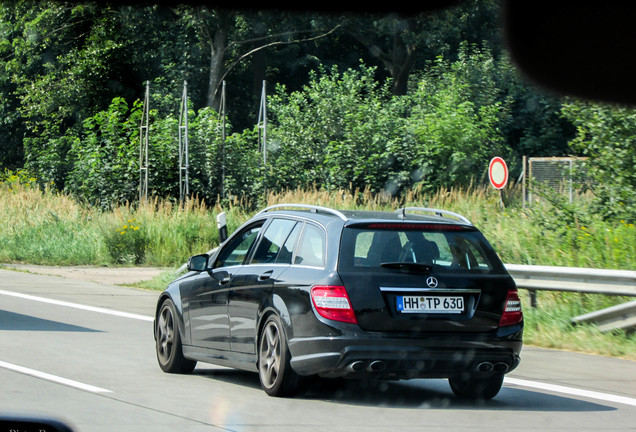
point(438, 212)
point(312, 208)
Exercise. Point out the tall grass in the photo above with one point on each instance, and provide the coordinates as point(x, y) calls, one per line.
point(549, 325)
point(46, 227)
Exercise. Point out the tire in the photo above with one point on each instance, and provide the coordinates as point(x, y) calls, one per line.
point(476, 388)
point(168, 342)
point(275, 373)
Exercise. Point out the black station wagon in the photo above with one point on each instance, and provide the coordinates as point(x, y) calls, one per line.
point(301, 291)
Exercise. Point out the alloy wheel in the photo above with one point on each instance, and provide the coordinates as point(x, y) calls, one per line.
point(165, 335)
point(270, 354)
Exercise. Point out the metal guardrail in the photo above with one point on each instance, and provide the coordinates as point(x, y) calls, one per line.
point(574, 279)
point(621, 316)
point(583, 280)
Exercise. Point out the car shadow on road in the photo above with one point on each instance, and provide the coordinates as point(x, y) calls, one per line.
point(19, 322)
point(232, 376)
point(412, 394)
point(436, 394)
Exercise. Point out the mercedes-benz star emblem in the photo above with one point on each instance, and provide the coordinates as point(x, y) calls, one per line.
point(431, 282)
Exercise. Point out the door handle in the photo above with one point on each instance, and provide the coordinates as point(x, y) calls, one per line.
point(226, 280)
point(266, 275)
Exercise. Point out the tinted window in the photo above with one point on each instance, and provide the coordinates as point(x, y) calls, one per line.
point(443, 248)
point(235, 252)
point(273, 242)
point(285, 254)
point(311, 247)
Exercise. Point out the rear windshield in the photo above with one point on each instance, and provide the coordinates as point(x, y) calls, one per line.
point(444, 248)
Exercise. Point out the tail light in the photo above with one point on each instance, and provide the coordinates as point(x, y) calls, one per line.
point(332, 302)
point(512, 312)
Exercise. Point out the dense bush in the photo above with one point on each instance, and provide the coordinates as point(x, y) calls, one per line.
point(606, 135)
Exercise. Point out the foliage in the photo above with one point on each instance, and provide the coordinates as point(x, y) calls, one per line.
point(72, 77)
point(607, 136)
point(455, 121)
point(549, 325)
point(102, 156)
point(44, 227)
point(128, 244)
point(333, 133)
point(345, 130)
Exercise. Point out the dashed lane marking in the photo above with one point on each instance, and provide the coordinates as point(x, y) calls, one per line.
point(52, 378)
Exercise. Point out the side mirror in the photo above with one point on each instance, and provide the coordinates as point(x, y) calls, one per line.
point(198, 263)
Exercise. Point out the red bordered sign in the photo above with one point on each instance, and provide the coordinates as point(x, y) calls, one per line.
point(498, 172)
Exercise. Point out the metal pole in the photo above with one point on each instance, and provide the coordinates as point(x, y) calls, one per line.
point(571, 184)
point(524, 180)
point(143, 148)
point(184, 164)
point(264, 97)
point(529, 180)
point(222, 113)
point(262, 117)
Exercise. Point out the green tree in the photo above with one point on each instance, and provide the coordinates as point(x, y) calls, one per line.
point(607, 136)
point(104, 156)
point(62, 56)
point(455, 131)
point(334, 133)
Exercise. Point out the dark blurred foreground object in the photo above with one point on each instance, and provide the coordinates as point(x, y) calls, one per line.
point(582, 49)
point(22, 424)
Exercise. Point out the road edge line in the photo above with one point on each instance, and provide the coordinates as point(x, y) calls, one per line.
point(571, 391)
point(78, 306)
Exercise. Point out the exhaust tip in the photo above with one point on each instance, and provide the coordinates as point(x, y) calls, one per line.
point(356, 366)
point(376, 366)
point(485, 367)
point(500, 367)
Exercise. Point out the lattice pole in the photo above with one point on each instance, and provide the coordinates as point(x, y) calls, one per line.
point(223, 126)
point(184, 164)
point(262, 131)
point(143, 148)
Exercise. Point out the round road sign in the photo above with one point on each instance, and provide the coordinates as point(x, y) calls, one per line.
point(498, 172)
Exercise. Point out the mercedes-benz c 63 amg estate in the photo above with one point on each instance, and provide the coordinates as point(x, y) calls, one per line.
point(301, 291)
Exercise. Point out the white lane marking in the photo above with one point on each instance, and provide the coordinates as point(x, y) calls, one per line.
point(78, 306)
point(53, 378)
point(572, 391)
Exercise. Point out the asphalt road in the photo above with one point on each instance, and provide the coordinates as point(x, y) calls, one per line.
point(83, 352)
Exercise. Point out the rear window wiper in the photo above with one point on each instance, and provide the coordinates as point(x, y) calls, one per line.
point(408, 266)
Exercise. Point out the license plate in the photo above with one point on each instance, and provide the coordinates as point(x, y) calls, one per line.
point(430, 304)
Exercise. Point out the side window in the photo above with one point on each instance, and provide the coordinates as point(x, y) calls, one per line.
point(273, 241)
point(311, 249)
point(237, 250)
point(445, 254)
point(287, 251)
point(468, 255)
point(362, 251)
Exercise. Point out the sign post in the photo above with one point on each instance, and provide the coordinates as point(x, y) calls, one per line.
point(498, 174)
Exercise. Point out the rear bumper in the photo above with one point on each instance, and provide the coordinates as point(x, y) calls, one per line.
point(402, 357)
